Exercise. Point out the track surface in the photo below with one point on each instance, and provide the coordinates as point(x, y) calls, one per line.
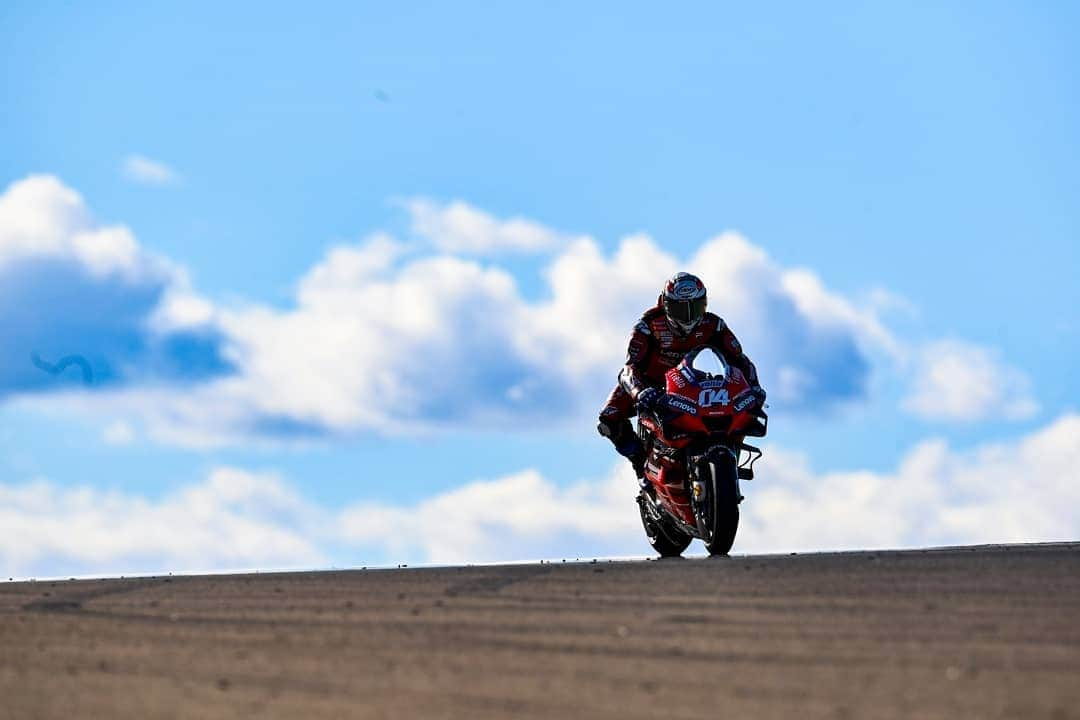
point(957, 633)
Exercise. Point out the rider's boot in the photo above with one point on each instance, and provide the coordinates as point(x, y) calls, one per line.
point(638, 461)
point(628, 444)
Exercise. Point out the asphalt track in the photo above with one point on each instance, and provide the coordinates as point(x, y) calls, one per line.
point(980, 632)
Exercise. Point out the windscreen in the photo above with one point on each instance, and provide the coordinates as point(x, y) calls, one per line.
point(709, 363)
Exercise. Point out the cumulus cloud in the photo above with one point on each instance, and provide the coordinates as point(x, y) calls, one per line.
point(41, 218)
point(71, 286)
point(233, 520)
point(814, 347)
point(1019, 491)
point(961, 381)
point(521, 516)
point(381, 339)
point(143, 170)
point(382, 335)
point(1022, 490)
point(460, 228)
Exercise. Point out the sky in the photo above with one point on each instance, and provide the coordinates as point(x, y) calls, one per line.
point(350, 282)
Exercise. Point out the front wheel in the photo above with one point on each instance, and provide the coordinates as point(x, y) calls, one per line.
point(721, 508)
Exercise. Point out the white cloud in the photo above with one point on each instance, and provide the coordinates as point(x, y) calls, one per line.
point(74, 286)
point(957, 380)
point(521, 516)
point(234, 519)
point(38, 217)
point(118, 432)
point(382, 338)
point(379, 339)
point(884, 301)
point(1022, 490)
point(828, 309)
point(42, 219)
point(1019, 491)
point(458, 227)
point(143, 170)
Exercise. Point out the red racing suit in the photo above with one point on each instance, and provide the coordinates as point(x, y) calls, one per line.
point(654, 349)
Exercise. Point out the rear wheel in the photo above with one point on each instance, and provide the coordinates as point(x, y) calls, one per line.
point(722, 506)
point(665, 538)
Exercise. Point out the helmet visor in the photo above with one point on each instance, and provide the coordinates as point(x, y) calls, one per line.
point(686, 312)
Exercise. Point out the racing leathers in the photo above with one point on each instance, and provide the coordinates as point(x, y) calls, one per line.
point(654, 349)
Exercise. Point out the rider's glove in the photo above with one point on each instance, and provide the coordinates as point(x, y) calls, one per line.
point(759, 392)
point(648, 398)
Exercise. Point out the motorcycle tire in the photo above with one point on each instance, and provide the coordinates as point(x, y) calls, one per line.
point(723, 505)
point(666, 540)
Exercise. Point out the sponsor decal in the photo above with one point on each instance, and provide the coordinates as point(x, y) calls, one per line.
point(685, 289)
point(680, 404)
point(644, 328)
point(713, 383)
point(745, 401)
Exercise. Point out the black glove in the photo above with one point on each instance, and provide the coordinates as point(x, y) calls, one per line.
point(648, 398)
point(759, 392)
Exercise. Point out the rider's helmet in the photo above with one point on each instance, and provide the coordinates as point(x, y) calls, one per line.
point(684, 302)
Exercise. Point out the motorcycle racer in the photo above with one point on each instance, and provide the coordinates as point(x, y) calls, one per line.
point(677, 324)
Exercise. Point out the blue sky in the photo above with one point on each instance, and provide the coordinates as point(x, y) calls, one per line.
point(920, 163)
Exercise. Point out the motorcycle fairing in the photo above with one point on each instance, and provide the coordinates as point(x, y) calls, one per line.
point(701, 410)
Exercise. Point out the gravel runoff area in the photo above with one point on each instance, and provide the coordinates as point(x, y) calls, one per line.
point(980, 632)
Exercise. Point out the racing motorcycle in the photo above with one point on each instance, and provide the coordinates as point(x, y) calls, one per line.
point(694, 439)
